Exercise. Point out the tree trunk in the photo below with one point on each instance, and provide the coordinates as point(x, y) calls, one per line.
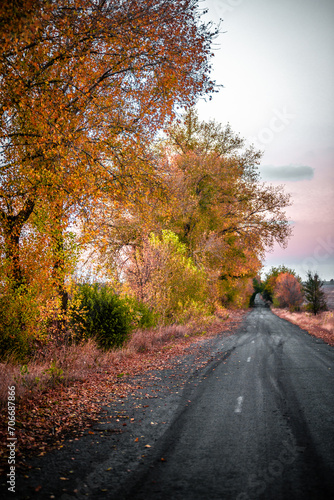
point(58, 271)
point(12, 226)
point(59, 262)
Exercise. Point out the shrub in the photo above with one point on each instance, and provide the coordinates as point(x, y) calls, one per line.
point(21, 324)
point(101, 314)
point(142, 315)
point(236, 292)
point(288, 291)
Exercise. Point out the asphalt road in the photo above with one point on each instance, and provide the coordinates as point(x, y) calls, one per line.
point(260, 423)
point(256, 421)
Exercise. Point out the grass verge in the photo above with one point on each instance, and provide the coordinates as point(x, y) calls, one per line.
point(320, 326)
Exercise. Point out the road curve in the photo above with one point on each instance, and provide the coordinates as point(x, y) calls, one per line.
point(256, 423)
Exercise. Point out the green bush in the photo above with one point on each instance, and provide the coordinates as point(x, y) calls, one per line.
point(19, 323)
point(99, 313)
point(13, 344)
point(142, 315)
point(275, 302)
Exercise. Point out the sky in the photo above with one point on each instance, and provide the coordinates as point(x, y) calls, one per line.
point(275, 59)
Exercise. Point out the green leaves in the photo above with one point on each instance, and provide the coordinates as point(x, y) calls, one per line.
point(314, 293)
point(165, 276)
point(102, 315)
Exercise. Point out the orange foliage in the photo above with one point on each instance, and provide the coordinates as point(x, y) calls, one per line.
point(221, 210)
point(84, 87)
point(288, 291)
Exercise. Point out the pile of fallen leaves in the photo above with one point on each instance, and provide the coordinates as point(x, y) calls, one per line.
point(46, 418)
point(320, 326)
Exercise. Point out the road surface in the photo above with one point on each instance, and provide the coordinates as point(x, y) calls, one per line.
point(260, 423)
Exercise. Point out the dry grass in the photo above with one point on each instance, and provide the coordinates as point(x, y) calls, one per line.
point(67, 364)
point(321, 325)
point(61, 365)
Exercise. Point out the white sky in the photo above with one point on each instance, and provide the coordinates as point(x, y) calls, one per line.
point(276, 62)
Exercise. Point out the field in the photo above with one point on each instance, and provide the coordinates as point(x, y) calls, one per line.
point(329, 291)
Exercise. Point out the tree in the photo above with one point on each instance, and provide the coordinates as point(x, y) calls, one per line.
point(288, 291)
point(257, 284)
point(85, 86)
point(213, 202)
point(271, 279)
point(314, 293)
point(163, 276)
point(223, 213)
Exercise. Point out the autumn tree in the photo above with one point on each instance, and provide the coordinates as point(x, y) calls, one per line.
point(288, 291)
point(85, 86)
point(271, 280)
point(314, 293)
point(225, 215)
point(214, 203)
point(164, 277)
